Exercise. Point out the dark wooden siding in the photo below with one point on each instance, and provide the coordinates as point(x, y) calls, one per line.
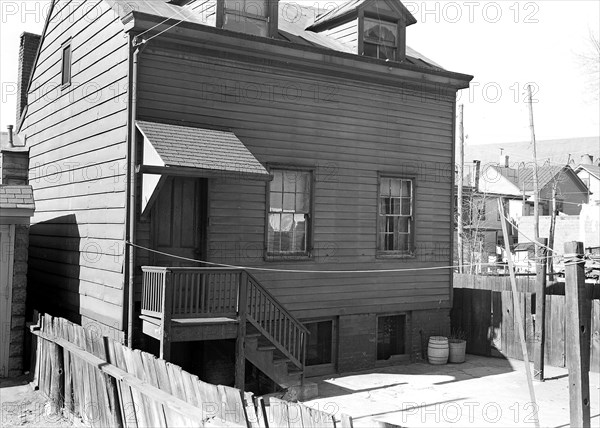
point(78, 146)
point(347, 131)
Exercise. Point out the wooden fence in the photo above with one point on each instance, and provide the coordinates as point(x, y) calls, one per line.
point(484, 310)
point(105, 384)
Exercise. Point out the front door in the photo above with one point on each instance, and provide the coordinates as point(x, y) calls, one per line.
point(179, 221)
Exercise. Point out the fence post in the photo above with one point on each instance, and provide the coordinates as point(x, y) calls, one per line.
point(540, 310)
point(240, 342)
point(167, 308)
point(578, 320)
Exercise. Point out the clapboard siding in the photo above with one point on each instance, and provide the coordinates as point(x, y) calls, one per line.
point(77, 137)
point(360, 130)
point(346, 33)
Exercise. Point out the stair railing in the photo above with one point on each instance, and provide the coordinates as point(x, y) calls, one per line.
point(206, 292)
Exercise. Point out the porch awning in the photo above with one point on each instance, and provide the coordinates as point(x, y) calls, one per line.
point(174, 150)
point(189, 151)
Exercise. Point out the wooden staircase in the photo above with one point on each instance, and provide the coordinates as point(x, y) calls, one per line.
point(185, 304)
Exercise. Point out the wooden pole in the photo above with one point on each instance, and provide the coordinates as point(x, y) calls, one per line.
point(578, 320)
point(517, 309)
point(540, 314)
point(551, 235)
point(536, 208)
point(459, 202)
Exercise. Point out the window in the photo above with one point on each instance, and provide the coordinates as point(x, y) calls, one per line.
point(395, 228)
point(390, 336)
point(247, 16)
point(289, 212)
point(319, 349)
point(380, 39)
point(66, 64)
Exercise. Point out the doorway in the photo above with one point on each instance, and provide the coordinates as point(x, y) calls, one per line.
point(179, 221)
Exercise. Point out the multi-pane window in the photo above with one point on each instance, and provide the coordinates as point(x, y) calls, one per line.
point(247, 16)
point(395, 215)
point(380, 39)
point(289, 212)
point(66, 65)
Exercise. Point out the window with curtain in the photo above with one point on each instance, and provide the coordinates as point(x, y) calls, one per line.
point(289, 212)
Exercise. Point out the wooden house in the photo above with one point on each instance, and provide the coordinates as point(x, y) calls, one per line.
point(307, 159)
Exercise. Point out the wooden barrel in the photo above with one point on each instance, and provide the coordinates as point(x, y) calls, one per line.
point(437, 351)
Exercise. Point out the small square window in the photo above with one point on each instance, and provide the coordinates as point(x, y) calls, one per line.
point(66, 65)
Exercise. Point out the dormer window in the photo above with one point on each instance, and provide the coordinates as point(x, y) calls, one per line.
point(380, 39)
point(372, 28)
point(257, 17)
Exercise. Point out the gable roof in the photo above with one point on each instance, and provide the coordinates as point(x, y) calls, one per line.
point(349, 9)
point(523, 177)
point(592, 169)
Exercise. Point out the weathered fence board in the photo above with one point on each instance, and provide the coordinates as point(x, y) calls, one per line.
point(104, 383)
point(483, 310)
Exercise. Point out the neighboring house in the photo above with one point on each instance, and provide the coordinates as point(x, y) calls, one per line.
point(590, 175)
point(560, 188)
point(256, 142)
point(16, 208)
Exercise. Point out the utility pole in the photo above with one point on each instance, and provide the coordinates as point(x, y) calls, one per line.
point(459, 202)
point(540, 259)
point(536, 208)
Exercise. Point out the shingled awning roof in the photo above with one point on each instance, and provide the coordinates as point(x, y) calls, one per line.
point(206, 151)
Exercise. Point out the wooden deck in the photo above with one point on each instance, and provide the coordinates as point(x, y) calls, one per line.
point(182, 304)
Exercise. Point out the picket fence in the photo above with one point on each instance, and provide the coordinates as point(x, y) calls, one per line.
point(103, 383)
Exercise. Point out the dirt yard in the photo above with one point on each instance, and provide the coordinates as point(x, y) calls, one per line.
point(480, 392)
point(21, 406)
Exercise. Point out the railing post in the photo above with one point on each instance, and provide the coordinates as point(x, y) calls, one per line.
point(304, 344)
point(167, 306)
point(240, 343)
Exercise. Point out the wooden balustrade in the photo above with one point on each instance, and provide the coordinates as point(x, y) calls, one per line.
point(216, 292)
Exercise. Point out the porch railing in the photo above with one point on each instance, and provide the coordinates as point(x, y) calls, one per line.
point(180, 292)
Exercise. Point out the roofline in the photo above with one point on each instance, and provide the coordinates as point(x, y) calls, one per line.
point(350, 14)
point(37, 57)
point(246, 45)
point(585, 166)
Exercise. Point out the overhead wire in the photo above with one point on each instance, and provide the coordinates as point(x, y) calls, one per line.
point(254, 268)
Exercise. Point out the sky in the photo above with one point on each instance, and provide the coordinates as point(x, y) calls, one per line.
point(506, 45)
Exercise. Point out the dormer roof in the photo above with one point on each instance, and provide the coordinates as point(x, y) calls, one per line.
point(386, 9)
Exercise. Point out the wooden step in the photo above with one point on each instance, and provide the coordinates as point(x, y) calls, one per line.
point(266, 348)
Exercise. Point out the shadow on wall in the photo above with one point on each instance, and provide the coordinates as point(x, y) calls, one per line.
point(53, 277)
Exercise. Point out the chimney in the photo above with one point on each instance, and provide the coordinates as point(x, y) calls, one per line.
point(503, 159)
point(27, 54)
point(476, 173)
point(10, 136)
point(587, 159)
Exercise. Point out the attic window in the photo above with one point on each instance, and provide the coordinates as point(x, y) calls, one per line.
point(66, 64)
point(247, 16)
point(380, 39)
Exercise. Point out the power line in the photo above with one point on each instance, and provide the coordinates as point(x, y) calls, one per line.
point(301, 270)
